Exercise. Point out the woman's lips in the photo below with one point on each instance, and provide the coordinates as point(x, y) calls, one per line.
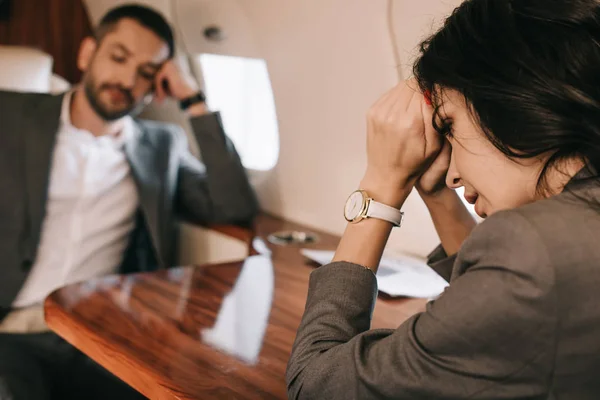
point(471, 198)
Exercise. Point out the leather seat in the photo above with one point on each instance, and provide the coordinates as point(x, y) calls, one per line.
point(24, 69)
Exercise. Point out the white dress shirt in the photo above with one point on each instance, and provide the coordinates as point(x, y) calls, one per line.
point(90, 211)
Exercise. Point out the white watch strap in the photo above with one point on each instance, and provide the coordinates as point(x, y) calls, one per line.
point(384, 212)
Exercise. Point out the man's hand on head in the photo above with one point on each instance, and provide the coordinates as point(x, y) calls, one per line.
point(171, 81)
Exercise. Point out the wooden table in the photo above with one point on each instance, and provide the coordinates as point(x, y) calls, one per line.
point(210, 332)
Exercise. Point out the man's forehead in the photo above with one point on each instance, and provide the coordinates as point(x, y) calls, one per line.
point(137, 40)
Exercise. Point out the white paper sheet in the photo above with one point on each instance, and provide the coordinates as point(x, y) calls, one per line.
point(397, 275)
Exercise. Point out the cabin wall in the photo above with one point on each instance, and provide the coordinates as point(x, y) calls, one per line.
point(329, 62)
point(97, 8)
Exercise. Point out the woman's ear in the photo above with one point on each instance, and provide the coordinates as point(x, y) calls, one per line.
point(86, 52)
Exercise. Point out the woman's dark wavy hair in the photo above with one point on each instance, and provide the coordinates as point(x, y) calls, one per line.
point(530, 72)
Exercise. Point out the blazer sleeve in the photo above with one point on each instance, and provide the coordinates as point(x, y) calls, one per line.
point(490, 335)
point(439, 261)
point(217, 191)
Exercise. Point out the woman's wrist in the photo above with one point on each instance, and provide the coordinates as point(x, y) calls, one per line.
point(448, 203)
point(453, 221)
point(441, 196)
point(389, 192)
point(363, 243)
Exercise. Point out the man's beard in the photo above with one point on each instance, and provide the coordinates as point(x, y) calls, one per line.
point(92, 93)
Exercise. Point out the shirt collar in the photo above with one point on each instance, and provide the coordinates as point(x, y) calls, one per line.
point(124, 126)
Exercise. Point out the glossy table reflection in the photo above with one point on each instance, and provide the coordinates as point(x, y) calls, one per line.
point(210, 332)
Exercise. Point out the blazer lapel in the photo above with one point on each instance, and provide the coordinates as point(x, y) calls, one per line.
point(41, 123)
point(145, 168)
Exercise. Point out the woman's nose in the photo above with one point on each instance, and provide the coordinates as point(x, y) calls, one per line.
point(453, 179)
point(453, 182)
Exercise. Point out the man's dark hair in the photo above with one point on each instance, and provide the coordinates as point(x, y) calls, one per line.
point(528, 69)
point(145, 16)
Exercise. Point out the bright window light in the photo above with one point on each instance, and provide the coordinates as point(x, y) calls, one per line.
point(240, 89)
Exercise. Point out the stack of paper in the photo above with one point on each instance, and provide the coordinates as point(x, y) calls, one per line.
point(397, 275)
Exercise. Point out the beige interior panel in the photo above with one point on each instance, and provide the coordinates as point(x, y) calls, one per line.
point(199, 246)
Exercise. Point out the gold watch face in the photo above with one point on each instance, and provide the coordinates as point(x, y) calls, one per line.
point(356, 206)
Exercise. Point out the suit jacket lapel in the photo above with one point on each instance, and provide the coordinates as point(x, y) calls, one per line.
point(41, 123)
point(145, 168)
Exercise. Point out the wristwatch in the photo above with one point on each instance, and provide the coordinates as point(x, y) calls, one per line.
point(360, 206)
point(190, 101)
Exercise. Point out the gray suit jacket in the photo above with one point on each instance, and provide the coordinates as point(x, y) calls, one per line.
point(520, 319)
point(171, 184)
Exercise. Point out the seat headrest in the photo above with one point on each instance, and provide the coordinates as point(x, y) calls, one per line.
point(25, 69)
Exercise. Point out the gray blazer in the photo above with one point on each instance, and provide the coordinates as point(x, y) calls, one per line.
point(171, 184)
point(520, 319)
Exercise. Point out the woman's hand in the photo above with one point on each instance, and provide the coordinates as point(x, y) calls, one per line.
point(401, 143)
point(433, 180)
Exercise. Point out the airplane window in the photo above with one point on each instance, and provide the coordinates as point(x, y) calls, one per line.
point(240, 89)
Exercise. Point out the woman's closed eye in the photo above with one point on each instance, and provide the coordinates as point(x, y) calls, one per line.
point(445, 128)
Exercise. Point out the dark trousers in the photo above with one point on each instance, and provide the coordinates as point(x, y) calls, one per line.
point(43, 366)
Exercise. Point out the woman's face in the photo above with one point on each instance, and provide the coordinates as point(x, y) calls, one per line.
point(492, 181)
